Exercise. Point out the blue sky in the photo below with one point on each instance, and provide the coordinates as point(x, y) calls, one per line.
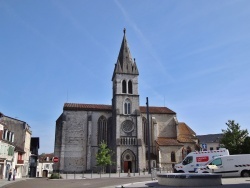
point(193, 56)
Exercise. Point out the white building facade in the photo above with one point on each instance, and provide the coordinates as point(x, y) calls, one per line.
point(14, 146)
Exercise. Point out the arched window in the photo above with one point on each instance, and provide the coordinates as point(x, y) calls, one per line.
point(184, 153)
point(124, 86)
point(173, 156)
point(127, 107)
point(102, 130)
point(130, 87)
point(145, 130)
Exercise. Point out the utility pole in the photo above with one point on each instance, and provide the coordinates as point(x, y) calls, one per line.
point(149, 138)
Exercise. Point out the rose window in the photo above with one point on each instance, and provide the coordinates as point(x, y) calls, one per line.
point(128, 126)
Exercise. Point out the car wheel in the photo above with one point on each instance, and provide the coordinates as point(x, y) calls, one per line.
point(245, 173)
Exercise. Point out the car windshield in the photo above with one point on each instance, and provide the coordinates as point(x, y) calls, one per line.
point(207, 163)
point(187, 160)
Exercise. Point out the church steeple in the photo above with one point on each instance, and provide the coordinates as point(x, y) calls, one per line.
point(125, 63)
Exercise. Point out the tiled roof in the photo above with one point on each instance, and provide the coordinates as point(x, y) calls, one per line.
point(185, 133)
point(156, 110)
point(161, 141)
point(87, 107)
point(43, 158)
point(185, 139)
point(102, 107)
point(184, 129)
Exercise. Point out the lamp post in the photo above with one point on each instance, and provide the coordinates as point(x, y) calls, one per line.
point(149, 136)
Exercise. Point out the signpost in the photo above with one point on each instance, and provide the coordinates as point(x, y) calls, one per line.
point(56, 159)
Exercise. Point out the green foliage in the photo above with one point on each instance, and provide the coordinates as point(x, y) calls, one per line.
point(246, 146)
point(55, 176)
point(103, 156)
point(233, 138)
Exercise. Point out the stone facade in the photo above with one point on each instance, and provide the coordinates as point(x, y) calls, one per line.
point(127, 128)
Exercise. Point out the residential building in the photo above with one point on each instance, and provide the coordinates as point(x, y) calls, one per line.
point(6, 150)
point(45, 165)
point(21, 141)
point(210, 141)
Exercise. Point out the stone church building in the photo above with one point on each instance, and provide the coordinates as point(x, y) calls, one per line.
point(134, 133)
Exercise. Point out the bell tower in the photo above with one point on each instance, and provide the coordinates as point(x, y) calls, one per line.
point(126, 110)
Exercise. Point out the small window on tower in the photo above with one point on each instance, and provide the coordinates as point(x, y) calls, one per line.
point(127, 107)
point(124, 86)
point(130, 87)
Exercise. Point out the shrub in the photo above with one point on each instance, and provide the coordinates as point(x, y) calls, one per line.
point(55, 176)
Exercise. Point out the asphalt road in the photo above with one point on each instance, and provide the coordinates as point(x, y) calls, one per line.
point(75, 183)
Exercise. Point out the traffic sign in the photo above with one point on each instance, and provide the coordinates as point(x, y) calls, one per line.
point(55, 159)
point(204, 146)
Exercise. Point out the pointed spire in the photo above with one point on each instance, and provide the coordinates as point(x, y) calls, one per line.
point(127, 65)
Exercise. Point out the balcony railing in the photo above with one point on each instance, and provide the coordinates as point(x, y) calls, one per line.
point(20, 162)
point(128, 141)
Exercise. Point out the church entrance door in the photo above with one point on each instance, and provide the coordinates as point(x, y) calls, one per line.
point(127, 166)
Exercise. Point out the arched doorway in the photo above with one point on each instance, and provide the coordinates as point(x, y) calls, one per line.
point(128, 161)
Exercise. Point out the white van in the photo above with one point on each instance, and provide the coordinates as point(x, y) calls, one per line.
point(231, 165)
point(196, 159)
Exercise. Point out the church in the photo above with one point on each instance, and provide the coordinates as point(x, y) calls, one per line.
point(140, 137)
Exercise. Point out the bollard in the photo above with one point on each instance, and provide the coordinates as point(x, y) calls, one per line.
point(91, 173)
point(139, 171)
point(82, 174)
point(119, 173)
point(74, 174)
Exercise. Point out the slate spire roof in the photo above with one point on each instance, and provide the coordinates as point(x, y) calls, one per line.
point(125, 63)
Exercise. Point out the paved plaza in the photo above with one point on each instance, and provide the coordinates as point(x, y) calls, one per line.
point(109, 182)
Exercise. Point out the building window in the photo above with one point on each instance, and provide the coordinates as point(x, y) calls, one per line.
point(124, 86)
point(130, 87)
point(128, 126)
point(173, 156)
point(188, 150)
point(127, 107)
point(46, 166)
point(102, 130)
point(20, 156)
point(12, 138)
point(5, 134)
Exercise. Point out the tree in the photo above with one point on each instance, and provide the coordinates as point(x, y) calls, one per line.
point(233, 138)
point(103, 156)
point(246, 146)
